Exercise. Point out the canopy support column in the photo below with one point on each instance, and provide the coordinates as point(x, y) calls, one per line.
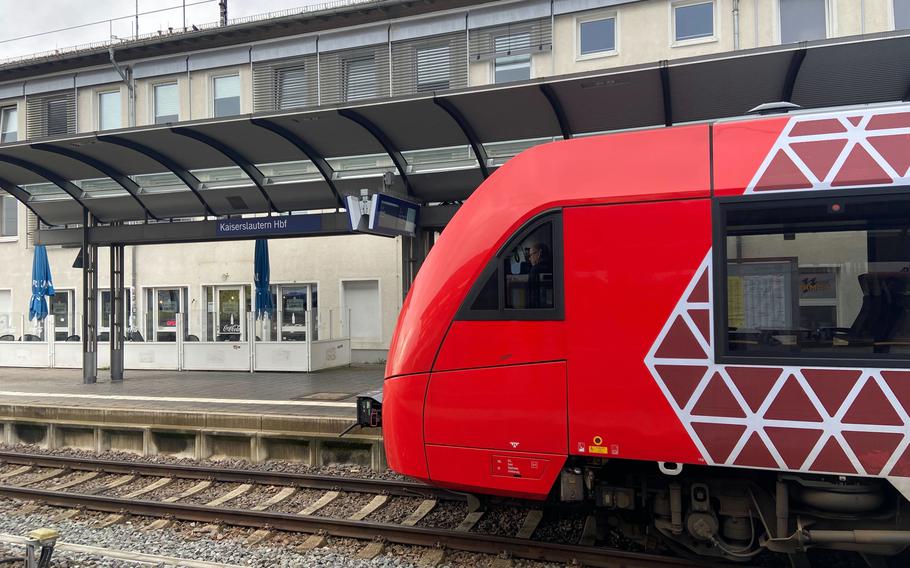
point(89, 303)
point(118, 293)
point(666, 93)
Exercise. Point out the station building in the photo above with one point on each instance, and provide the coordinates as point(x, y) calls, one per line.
point(348, 53)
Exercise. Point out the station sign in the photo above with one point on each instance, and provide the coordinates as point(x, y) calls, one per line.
point(268, 226)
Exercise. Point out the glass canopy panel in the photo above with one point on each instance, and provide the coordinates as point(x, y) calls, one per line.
point(45, 191)
point(501, 152)
point(159, 183)
point(289, 172)
point(360, 166)
point(440, 159)
point(100, 187)
point(231, 176)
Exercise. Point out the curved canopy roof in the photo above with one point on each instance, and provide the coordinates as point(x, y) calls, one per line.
point(440, 145)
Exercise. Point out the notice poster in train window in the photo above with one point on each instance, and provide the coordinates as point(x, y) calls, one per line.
point(762, 294)
point(393, 216)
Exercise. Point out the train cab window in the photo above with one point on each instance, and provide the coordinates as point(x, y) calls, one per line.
point(524, 280)
point(816, 278)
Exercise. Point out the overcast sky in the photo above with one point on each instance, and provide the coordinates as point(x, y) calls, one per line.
point(27, 17)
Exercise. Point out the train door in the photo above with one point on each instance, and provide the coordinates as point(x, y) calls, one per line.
point(495, 410)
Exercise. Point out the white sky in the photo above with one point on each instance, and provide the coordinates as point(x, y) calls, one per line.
point(27, 17)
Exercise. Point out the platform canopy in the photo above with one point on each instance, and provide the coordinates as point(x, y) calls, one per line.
point(440, 145)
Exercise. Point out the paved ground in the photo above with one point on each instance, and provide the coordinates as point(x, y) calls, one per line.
point(325, 393)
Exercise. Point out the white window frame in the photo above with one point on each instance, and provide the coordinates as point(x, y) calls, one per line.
point(593, 17)
point(10, 324)
point(210, 85)
point(830, 21)
point(674, 4)
point(98, 95)
point(153, 97)
point(72, 328)
point(127, 312)
point(12, 238)
point(493, 61)
point(4, 109)
point(142, 321)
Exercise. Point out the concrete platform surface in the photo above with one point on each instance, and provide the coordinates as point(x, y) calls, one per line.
point(328, 393)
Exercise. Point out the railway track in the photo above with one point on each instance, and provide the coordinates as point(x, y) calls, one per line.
point(214, 496)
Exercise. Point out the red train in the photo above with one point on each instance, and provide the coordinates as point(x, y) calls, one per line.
point(705, 328)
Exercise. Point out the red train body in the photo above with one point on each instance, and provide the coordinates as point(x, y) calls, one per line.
point(648, 349)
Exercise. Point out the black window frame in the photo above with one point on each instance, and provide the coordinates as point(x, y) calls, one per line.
point(557, 313)
point(720, 207)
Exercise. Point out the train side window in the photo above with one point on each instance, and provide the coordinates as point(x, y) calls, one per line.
point(825, 280)
point(524, 280)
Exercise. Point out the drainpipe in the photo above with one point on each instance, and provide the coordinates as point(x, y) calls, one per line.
point(736, 25)
point(130, 81)
point(127, 77)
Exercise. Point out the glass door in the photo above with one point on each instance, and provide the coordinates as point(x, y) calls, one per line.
point(293, 306)
point(167, 306)
point(229, 314)
point(61, 306)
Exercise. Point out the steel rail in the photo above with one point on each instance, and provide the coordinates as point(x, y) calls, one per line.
point(399, 534)
point(309, 481)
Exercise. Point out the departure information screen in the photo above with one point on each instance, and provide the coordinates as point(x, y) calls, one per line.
point(393, 216)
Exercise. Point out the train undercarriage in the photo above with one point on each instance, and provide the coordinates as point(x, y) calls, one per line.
point(737, 515)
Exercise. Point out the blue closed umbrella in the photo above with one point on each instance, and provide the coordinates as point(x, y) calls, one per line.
point(42, 285)
point(261, 278)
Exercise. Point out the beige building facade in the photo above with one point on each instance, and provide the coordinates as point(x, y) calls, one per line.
point(476, 44)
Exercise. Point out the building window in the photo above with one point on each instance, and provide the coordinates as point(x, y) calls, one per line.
point(524, 281)
point(167, 103)
point(433, 68)
point(226, 95)
point(56, 116)
point(817, 278)
point(109, 110)
point(513, 58)
point(291, 86)
point(901, 14)
point(803, 20)
point(9, 124)
point(359, 78)
point(596, 36)
point(693, 21)
point(9, 220)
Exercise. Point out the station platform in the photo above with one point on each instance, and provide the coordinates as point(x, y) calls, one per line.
point(198, 414)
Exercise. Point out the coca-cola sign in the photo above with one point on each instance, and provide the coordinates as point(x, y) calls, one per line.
point(230, 328)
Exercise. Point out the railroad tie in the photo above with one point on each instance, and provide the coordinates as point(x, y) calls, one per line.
point(120, 481)
point(157, 525)
point(372, 550)
point(158, 484)
point(432, 557)
point(258, 536)
point(502, 561)
point(312, 542)
point(532, 521)
point(420, 512)
point(322, 502)
point(198, 488)
point(43, 477)
point(230, 495)
point(88, 476)
point(469, 521)
point(111, 520)
point(375, 503)
point(66, 515)
point(18, 471)
point(282, 495)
